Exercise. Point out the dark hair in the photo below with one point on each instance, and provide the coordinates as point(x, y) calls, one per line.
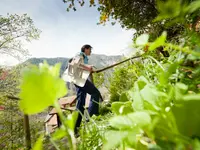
point(86, 46)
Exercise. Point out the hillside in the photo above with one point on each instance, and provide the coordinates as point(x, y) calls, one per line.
point(98, 60)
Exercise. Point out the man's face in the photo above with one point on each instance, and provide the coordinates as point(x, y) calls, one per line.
point(88, 51)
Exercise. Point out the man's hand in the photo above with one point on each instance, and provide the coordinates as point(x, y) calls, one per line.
point(87, 67)
point(90, 69)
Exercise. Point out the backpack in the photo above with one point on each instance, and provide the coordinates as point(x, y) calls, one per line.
point(74, 73)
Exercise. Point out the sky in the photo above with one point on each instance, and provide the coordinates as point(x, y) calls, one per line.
point(63, 33)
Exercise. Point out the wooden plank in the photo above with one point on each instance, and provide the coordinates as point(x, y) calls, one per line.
point(66, 105)
point(53, 120)
point(48, 117)
point(67, 100)
point(54, 111)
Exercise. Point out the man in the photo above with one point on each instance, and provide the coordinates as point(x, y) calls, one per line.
point(79, 70)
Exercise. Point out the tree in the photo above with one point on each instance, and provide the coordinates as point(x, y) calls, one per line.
point(14, 30)
point(141, 14)
point(135, 14)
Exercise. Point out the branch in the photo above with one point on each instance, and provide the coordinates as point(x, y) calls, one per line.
point(14, 31)
point(11, 39)
point(111, 66)
point(12, 97)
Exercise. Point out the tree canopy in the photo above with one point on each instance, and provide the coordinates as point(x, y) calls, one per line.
point(146, 16)
point(14, 30)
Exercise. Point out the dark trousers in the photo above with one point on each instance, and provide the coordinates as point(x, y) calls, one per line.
point(96, 97)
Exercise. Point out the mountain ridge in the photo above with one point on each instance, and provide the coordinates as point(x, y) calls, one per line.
point(98, 60)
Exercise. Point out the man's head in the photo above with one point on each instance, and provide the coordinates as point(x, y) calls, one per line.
point(86, 49)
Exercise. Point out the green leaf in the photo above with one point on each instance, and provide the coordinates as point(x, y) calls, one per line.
point(140, 118)
point(59, 133)
point(38, 144)
point(121, 122)
point(182, 87)
point(193, 6)
point(123, 97)
point(142, 40)
point(148, 94)
point(164, 75)
point(116, 106)
point(126, 108)
point(186, 113)
point(166, 9)
point(131, 138)
point(154, 147)
point(40, 88)
point(160, 41)
point(113, 139)
point(196, 144)
point(130, 120)
point(191, 97)
point(172, 68)
point(137, 100)
point(122, 108)
point(180, 90)
point(71, 120)
point(151, 109)
point(142, 82)
point(142, 145)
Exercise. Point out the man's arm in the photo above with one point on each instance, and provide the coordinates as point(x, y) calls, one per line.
point(86, 67)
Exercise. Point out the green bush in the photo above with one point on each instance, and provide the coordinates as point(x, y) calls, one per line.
point(122, 79)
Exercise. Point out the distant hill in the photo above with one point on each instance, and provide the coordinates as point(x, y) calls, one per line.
point(98, 60)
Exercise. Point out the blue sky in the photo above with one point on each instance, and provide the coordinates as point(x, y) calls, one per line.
point(63, 33)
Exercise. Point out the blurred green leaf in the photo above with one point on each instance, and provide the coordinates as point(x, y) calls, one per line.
point(142, 40)
point(186, 113)
point(71, 120)
point(130, 120)
point(121, 122)
point(59, 133)
point(38, 144)
point(140, 118)
point(127, 108)
point(148, 93)
point(116, 106)
point(131, 138)
point(160, 41)
point(164, 75)
point(142, 145)
point(40, 88)
point(182, 87)
point(113, 139)
point(196, 144)
point(180, 90)
point(137, 100)
point(166, 9)
point(193, 6)
point(141, 82)
point(123, 97)
point(191, 97)
point(154, 147)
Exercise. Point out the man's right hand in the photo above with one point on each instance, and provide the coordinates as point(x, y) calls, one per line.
point(87, 67)
point(90, 68)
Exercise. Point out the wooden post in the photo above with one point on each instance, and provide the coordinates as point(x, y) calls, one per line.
point(27, 132)
point(26, 125)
